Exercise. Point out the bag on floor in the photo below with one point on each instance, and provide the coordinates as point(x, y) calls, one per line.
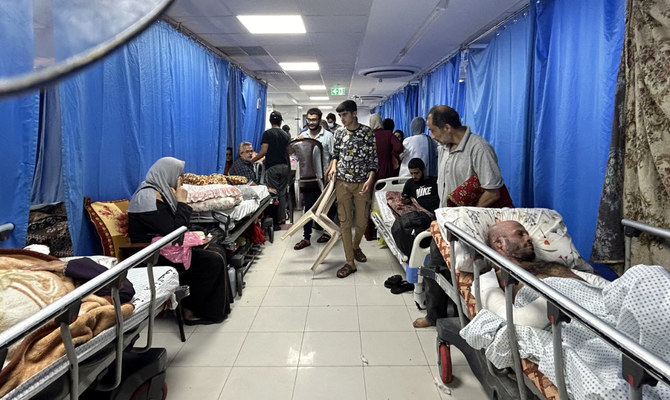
point(406, 227)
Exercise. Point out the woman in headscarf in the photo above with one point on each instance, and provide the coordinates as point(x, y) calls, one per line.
point(419, 145)
point(388, 147)
point(157, 208)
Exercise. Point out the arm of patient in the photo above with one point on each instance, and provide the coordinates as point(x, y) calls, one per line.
point(493, 299)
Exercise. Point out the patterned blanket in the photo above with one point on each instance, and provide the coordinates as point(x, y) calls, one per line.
point(22, 293)
point(637, 304)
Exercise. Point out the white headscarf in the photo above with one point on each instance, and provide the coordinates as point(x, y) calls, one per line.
point(162, 177)
point(375, 122)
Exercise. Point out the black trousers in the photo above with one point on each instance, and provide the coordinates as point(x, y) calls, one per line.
point(437, 301)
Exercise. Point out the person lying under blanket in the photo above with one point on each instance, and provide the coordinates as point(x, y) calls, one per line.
point(28, 282)
point(637, 304)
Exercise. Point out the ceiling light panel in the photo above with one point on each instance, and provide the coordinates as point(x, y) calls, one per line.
point(319, 98)
point(272, 24)
point(312, 87)
point(299, 66)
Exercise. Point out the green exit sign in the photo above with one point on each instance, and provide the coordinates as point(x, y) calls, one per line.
point(337, 91)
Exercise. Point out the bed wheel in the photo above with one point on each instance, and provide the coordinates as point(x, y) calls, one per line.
point(444, 362)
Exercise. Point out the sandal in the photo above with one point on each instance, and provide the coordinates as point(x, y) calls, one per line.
point(359, 256)
point(345, 271)
point(403, 287)
point(324, 238)
point(393, 281)
point(302, 244)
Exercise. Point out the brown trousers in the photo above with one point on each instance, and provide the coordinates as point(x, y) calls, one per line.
point(348, 197)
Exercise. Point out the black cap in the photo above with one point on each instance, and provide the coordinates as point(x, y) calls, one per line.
point(275, 118)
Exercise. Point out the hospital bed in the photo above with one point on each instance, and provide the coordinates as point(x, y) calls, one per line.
point(228, 225)
point(383, 218)
point(72, 373)
point(639, 367)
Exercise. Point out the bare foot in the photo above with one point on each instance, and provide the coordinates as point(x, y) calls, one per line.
point(422, 323)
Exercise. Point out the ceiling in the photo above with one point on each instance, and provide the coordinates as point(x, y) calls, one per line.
point(344, 37)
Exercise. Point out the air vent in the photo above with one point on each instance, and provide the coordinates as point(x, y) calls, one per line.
point(389, 71)
point(270, 72)
point(371, 97)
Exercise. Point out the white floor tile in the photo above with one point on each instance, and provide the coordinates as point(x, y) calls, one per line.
point(401, 383)
point(280, 319)
point(333, 296)
point(392, 348)
point(377, 296)
point(170, 341)
point(384, 318)
point(258, 277)
point(258, 383)
point(330, 383)
point(251, 296)
point(280, 296)
point(210, 349)
point(464, 385)
point(332, 319)
point(187, 383)
point(239, 320)
point(293, 277)
point(276, 349)
point(331, 349)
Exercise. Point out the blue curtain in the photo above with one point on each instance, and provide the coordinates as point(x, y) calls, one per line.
point(577, 56)
point(496, 89)
point(20, 119)
point(160, 95)
point(441, 87)
point(254, 98)
point(236, 107)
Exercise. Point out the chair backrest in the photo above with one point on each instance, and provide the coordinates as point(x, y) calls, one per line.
point(259, 170)
point(308, 152)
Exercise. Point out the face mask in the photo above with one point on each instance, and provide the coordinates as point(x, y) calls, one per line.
point(330, 124)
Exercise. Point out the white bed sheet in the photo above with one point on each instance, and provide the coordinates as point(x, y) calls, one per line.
point(166, 280)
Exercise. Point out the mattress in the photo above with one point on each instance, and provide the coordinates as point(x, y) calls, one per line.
point(235, 214)
point(465, 279)
point(166, 281)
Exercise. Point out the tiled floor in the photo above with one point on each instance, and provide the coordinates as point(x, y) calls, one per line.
point(297, 334)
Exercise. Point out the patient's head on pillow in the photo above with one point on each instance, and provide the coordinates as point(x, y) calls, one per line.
point(512, 240)
point(545, 227)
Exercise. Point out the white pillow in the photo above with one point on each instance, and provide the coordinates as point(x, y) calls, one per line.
point(545, 227)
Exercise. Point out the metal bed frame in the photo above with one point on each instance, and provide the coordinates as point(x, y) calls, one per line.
point(639, 366)
point(420, 246)
point(65, 310)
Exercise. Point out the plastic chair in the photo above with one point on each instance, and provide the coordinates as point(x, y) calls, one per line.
point(308, 152)
point(319, 214)
point(259, 170)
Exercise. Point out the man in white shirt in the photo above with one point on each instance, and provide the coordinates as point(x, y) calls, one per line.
point(311, 194)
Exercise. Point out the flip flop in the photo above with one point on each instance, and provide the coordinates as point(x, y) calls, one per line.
point(323, 239)
point(403, 287)
point(393, 281)
point(301, 244)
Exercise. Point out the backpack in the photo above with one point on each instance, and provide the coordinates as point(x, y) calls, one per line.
point(406, 227)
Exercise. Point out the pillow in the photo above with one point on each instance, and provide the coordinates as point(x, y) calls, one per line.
point(237, 180)
point(545, 227)
point(218, 204)
point(110, 219)
point(247, 192)
point(205, 192)
point(193, 179)
point(467, 194)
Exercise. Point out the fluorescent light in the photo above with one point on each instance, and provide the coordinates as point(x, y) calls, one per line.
point(299, 107)
point(260, 24)
point(312, 87)
point(325, 107)
point(319, 98)
point(299, 66)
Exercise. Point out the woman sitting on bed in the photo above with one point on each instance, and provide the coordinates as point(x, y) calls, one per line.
point(157, 208)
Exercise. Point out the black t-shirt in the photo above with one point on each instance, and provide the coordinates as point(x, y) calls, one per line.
point(424, 191)
point(277, 141)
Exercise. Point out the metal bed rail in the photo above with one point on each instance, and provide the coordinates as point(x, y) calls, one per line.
point(639, 366)
point(632, 229)
point(65, 310)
